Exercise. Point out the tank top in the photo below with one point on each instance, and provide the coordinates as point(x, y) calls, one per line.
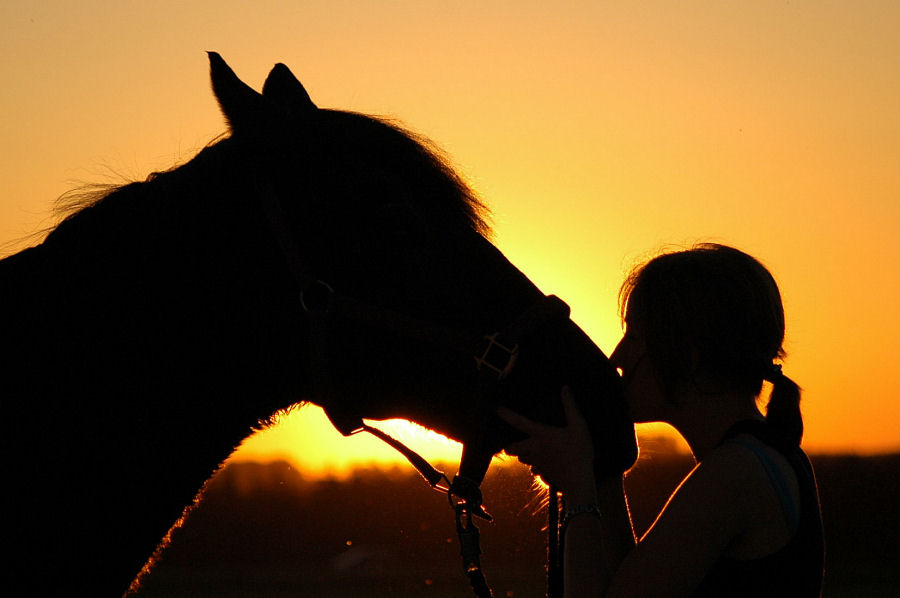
point(797, 568)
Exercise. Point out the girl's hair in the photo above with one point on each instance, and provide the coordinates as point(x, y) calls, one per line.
point(712, 315)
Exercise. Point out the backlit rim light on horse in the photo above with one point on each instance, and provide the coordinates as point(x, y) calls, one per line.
point(295, 433)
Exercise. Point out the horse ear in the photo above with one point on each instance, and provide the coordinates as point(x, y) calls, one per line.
point(242, 106)
point(283, 88)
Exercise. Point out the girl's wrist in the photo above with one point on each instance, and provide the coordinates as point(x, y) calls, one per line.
point(613, 483)
point(610, 492)
point(582, 489)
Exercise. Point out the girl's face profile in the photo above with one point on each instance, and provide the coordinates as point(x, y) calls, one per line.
point(645, 396)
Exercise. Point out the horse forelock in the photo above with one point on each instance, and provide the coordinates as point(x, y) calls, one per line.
point(377, 163)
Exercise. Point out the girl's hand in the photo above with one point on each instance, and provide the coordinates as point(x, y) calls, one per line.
point(563, 457)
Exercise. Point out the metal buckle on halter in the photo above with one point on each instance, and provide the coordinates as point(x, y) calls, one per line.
point(511, 354)
point(318, 296)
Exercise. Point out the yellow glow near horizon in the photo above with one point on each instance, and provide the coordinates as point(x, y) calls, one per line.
point(597, 132)
point(304, 436)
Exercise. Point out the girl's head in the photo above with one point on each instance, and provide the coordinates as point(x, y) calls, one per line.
point(712, 320)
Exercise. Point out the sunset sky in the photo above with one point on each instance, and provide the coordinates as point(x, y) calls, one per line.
point(598, 132)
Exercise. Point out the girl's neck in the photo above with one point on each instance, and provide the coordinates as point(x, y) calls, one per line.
point(703, 419)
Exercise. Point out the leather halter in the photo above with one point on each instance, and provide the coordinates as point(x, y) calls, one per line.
point(494, 354)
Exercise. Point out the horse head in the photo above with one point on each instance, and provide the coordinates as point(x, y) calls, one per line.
point(312, 255)
point(408, 310)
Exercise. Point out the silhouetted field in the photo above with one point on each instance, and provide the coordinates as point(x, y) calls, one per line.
point(264, 530)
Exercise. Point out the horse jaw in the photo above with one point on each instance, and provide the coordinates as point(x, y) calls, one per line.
point(474, 461)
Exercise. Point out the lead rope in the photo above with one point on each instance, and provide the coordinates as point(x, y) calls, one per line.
point(470, 549)
point(554, 546)
point(466, 530)
point(432, 475)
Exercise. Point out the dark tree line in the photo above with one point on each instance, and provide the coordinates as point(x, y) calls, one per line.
point(265, 530)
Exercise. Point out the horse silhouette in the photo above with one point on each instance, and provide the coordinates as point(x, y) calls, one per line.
point(310, 255)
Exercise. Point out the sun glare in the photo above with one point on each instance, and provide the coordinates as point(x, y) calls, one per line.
point(306, 438)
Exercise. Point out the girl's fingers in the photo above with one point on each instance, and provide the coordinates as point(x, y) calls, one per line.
point(573, 414)
point(519, 422)
point(523, 424)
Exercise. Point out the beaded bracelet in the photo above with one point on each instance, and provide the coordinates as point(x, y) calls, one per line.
point(570, 513)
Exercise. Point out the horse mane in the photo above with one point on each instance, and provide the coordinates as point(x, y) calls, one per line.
point(379, 148)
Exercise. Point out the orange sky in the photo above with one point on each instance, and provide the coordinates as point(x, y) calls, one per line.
point(598, 133)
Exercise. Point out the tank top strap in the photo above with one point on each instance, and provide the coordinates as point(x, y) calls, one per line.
point(779, 482)
point(794, 570)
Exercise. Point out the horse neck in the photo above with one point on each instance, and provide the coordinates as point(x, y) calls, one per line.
point(177, 334)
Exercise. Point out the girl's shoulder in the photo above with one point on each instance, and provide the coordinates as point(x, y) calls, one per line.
point(769, 493)
point(724, 507)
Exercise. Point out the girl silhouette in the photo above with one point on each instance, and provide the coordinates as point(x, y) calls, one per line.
point(703, 329)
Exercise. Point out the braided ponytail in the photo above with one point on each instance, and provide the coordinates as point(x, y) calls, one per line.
point(783, 411)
